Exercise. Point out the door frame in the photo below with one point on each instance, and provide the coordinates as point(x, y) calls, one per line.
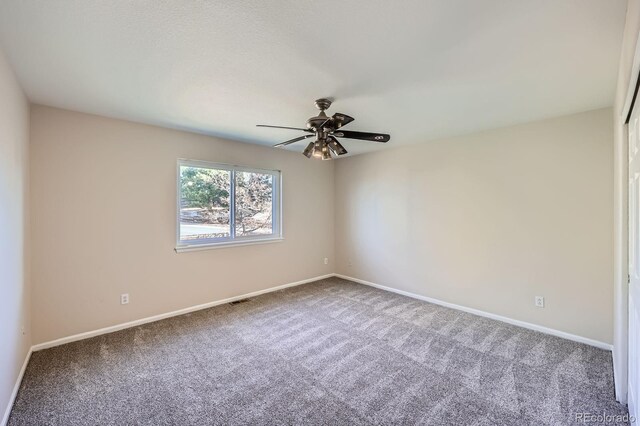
point(621, 230)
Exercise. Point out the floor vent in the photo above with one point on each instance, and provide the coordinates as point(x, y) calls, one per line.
point(236, 302)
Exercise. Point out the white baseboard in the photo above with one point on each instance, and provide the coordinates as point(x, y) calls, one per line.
point(135, 323)
point(154, 318)
point(519, 323)
point(478, 312)
point(16, 387)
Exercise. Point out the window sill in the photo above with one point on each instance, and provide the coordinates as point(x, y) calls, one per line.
point(227, 244)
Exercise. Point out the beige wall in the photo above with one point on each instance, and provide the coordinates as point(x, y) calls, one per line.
point(489, 221)
point(486, 221)
point(14, 288)
point(103, 221)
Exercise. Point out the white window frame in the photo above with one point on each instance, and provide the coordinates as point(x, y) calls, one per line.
point(232, 240)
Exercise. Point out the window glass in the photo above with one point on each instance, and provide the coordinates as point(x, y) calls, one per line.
point(254, 203)
point(219, 203)
point(204, 203)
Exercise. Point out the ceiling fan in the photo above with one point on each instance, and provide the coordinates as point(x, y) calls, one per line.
point(325, 130)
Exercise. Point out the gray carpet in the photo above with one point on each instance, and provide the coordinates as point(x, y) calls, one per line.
point(329, 352)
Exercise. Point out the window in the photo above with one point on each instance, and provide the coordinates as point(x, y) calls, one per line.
point(220, 204)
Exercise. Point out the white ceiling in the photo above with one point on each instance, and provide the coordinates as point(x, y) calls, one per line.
point(416, 69)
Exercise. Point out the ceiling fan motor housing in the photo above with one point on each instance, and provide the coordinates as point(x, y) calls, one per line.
point(319, 122)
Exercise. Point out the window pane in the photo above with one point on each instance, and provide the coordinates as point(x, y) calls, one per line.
point(254, 201)
point(204, 203)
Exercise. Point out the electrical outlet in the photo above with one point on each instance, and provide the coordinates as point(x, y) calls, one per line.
point(349, 263)
point(539, 301)
point(326, 260)
point(22, 330)
point(124, 298)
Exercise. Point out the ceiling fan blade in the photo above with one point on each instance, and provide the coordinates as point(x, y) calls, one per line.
point(284, 127)
point(335, 146)
point(341, 119)
point(289, 142)
point(374, 137)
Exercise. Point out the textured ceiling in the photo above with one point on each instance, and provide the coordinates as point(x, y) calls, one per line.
point(416, 69)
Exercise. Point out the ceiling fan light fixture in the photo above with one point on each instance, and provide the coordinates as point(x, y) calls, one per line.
point(326, 154)
point(336, 147)
point(317, 149)
point(308, 150)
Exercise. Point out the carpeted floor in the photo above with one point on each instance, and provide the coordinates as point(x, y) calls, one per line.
point(330, 352)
